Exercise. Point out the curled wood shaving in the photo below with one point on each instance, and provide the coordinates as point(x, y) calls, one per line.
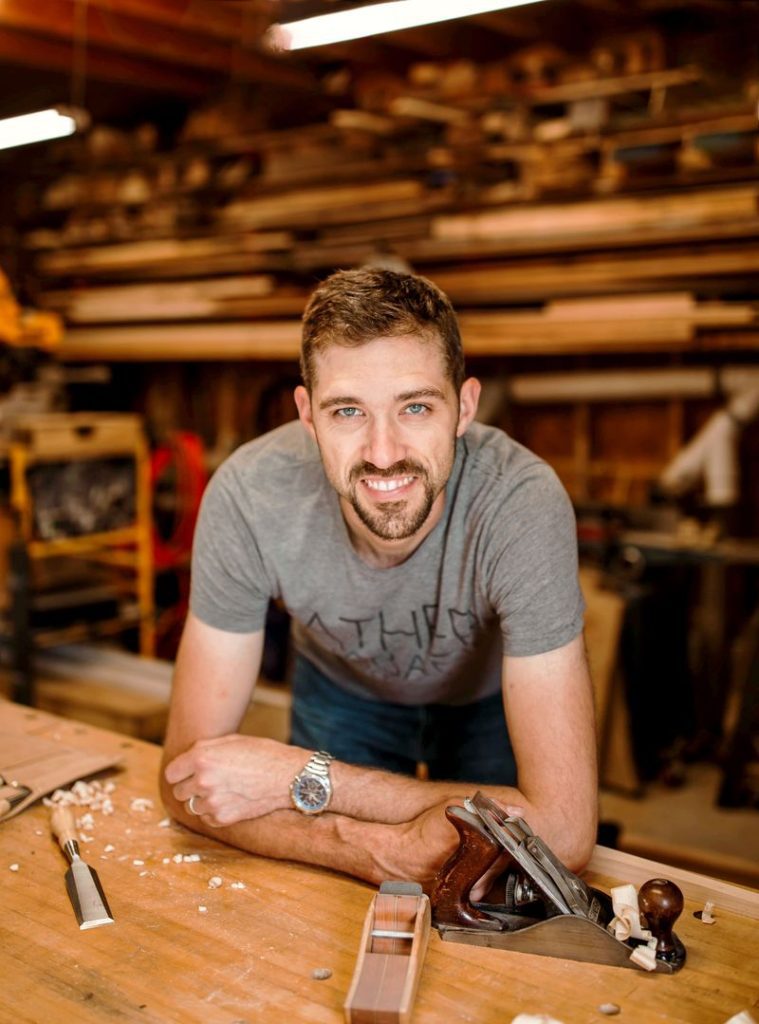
point(644, 957)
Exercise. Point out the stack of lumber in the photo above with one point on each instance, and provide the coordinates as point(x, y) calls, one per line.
point(494, 180)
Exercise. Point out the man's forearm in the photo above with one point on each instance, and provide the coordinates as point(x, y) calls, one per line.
point(376, 795)
point(264, 768)
point(380, 796)
point(369, 850)
point(260, 771)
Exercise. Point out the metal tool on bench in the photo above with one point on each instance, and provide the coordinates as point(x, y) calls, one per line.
point(11, 793)
point(537, 905)
point(82, 883)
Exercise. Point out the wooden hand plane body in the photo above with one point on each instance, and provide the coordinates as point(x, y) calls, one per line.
point(537, 905)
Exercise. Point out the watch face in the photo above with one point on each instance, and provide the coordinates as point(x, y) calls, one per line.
point(310, 793)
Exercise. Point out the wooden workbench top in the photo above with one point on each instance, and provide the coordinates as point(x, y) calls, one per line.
point(251, 954)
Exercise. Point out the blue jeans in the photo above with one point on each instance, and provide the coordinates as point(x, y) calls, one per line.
point(466, 743)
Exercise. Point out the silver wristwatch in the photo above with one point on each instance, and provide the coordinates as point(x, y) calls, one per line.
point(311, 789)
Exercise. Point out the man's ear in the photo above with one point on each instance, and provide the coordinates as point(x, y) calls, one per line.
point(303, 404)
point(469, 398)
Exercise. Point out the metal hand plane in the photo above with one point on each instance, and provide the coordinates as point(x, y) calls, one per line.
point(537, 905)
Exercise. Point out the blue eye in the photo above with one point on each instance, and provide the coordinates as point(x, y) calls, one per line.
point(348, 412)
point(416, 408)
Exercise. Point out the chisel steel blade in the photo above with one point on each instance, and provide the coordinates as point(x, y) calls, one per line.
point(87, 896)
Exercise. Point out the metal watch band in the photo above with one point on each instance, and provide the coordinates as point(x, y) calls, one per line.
point(319, 764)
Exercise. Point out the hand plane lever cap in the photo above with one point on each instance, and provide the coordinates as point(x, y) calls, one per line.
point(565, 891)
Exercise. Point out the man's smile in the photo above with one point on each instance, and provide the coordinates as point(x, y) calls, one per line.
point(388, 485)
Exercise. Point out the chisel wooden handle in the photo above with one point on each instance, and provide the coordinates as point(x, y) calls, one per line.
point(63, 824)
point(10, 795)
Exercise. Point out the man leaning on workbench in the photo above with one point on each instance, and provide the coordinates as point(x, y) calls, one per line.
point(429, 564)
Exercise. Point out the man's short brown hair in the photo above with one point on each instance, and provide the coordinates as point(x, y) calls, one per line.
point(353, 307)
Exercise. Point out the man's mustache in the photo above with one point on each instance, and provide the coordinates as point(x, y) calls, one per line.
point(403, 468)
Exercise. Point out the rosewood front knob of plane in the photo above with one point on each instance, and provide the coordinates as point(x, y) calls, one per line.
point(662, 902)
point(477, 851)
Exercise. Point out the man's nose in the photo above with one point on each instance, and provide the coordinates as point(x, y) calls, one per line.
point(384, 444)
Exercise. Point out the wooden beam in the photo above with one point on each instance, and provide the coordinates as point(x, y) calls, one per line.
point(437, 250)
point(514, 25)
point(275, 339)
point(210, 18)
point(626, 213)
point(173, 257)
point(529, 279)
point(57, 19)
point(612, 386)
point(22, 48)
point(595, 87)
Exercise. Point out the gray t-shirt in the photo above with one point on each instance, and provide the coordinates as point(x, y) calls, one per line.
point(497, 574)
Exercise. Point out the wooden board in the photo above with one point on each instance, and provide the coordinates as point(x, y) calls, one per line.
point(63, 436)
point(634, 213)
point(274, 339)
point(524, 280)
point(251, 954)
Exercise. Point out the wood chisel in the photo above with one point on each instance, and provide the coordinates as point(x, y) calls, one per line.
point(11, 793)
point(83, 885)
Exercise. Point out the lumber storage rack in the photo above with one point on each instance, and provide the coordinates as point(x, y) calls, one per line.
point(117, 551)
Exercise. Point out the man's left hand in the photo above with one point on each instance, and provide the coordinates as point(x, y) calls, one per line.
point(234, 778)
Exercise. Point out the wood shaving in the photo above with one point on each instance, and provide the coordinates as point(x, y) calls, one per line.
point(534, 1018)
point(13, 867)
point(138, 863)
point(321, 973)
point(215, 882)
point(707, 915)
point(609, 1009)
point(644, 957)
point(237, 885)
point(141, 803)
point(94, 795)
point(109, 848)
point(164, 823)
point(626, 921)
point(202, 909)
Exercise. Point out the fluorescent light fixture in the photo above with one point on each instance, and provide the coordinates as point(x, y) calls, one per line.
point(54, 123)
point(378, 18)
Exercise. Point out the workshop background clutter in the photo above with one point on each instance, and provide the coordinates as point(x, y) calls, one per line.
point(579, 176)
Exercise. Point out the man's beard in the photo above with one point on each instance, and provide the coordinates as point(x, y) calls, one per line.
point(392, 520)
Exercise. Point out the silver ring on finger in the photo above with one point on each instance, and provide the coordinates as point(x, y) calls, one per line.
point(191, 806)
